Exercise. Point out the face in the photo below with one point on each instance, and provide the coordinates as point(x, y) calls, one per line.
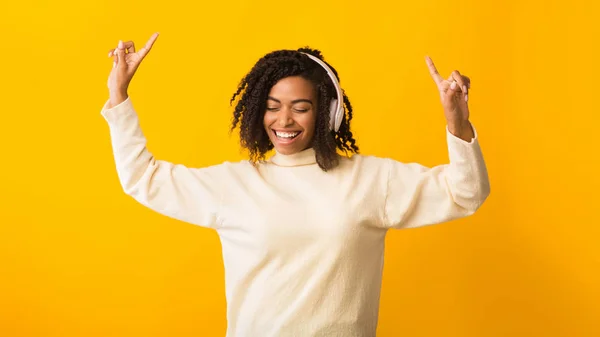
point(291, 114)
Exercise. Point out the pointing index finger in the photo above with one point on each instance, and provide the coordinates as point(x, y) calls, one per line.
point(433, 71)
point(144, 50)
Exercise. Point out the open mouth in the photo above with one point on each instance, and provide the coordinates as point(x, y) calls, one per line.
point(283, 135)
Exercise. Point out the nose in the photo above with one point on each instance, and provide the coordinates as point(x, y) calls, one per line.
point(284, 117)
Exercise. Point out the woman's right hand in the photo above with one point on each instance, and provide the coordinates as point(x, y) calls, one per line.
point(126, 62)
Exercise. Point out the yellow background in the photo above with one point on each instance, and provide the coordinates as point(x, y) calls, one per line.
point(80, 258)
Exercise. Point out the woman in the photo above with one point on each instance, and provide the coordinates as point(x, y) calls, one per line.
point(303, 232)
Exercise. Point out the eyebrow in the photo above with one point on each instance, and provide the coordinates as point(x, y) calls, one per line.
point(293, 102)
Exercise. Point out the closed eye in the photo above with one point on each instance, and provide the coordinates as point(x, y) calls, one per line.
point(297, 110)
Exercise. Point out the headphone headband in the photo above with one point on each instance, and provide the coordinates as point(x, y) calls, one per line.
point(336, 106)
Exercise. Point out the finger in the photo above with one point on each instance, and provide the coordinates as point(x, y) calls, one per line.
point(468, 80)
point(448, 81)
point(129, 46)
point(111, 53)
point(465, 78)
point(146, 48)
point(452, 90)
point(121, 64)
point(462, 85)
point(433, 71)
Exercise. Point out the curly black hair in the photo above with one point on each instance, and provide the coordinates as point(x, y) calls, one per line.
point(256, 85)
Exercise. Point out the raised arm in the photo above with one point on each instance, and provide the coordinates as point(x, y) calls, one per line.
point(189, 194)
point(417, 195)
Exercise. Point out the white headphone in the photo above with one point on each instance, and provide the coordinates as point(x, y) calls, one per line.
point(336, 106)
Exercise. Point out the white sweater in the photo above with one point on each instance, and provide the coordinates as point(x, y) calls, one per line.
point(302, 248)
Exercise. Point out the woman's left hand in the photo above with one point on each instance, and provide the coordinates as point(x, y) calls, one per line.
point(454, 94)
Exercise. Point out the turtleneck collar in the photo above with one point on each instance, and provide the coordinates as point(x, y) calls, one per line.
point(305, 157)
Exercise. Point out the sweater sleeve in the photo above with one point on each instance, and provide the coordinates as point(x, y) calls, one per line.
point(418, 196)
point(187, 194)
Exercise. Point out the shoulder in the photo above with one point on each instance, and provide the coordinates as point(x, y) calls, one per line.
point(365, 164)
point(224, 170)
point(360, 160)
point(380, 165)
point(231, 167)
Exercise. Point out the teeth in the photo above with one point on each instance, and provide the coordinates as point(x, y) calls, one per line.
point(286, 134)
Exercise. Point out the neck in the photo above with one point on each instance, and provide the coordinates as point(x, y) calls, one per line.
point(304, 157)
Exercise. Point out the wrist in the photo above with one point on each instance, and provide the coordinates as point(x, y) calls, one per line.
point(116, 98)
point(462, 130)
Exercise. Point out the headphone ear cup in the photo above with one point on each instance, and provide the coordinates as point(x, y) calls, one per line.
point(333, 115)
point(337, 115)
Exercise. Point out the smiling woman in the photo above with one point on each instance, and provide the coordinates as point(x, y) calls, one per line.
point(290, 117)
point(287, 91)
point(303, 232)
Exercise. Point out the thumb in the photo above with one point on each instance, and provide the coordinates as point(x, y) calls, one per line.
point(121, 64)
